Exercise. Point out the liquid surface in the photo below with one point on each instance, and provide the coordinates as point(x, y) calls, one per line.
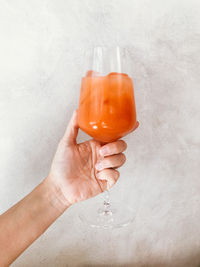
point(107, 106)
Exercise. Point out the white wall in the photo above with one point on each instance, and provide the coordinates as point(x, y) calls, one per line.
point(41, 49)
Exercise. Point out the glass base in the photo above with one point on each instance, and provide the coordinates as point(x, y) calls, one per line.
point(115, 215)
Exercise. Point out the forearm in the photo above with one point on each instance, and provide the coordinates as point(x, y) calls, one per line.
point(28, 219)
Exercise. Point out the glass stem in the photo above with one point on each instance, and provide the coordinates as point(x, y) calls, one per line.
point(106, 202)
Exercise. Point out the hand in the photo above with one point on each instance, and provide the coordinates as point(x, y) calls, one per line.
point(81, 171)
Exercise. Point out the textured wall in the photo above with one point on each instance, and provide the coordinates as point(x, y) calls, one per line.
point(41, 58)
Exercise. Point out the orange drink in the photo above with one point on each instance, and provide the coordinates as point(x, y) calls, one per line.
point(107, 106)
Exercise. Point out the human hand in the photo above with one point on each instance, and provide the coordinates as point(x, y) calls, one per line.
point(81, 171)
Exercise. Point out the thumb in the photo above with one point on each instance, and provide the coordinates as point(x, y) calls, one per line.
point(72, 130)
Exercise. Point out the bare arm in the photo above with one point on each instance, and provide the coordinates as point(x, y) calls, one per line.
point(78, 172)
point(27, 220)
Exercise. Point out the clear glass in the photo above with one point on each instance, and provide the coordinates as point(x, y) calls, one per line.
point(107, 112)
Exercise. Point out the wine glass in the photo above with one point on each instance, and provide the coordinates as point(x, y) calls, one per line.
point(107, 112)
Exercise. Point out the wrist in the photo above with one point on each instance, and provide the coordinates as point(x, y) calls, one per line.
point(55, 195)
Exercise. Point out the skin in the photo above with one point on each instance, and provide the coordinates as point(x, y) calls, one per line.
point(78, 172)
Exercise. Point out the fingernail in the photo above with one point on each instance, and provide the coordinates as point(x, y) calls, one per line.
point(103, 151)
point(99, 166)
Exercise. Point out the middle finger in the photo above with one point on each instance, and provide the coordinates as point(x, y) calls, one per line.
point(114, 161)
point(113, 148)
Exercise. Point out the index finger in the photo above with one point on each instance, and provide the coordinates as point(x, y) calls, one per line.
point(113, 148)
